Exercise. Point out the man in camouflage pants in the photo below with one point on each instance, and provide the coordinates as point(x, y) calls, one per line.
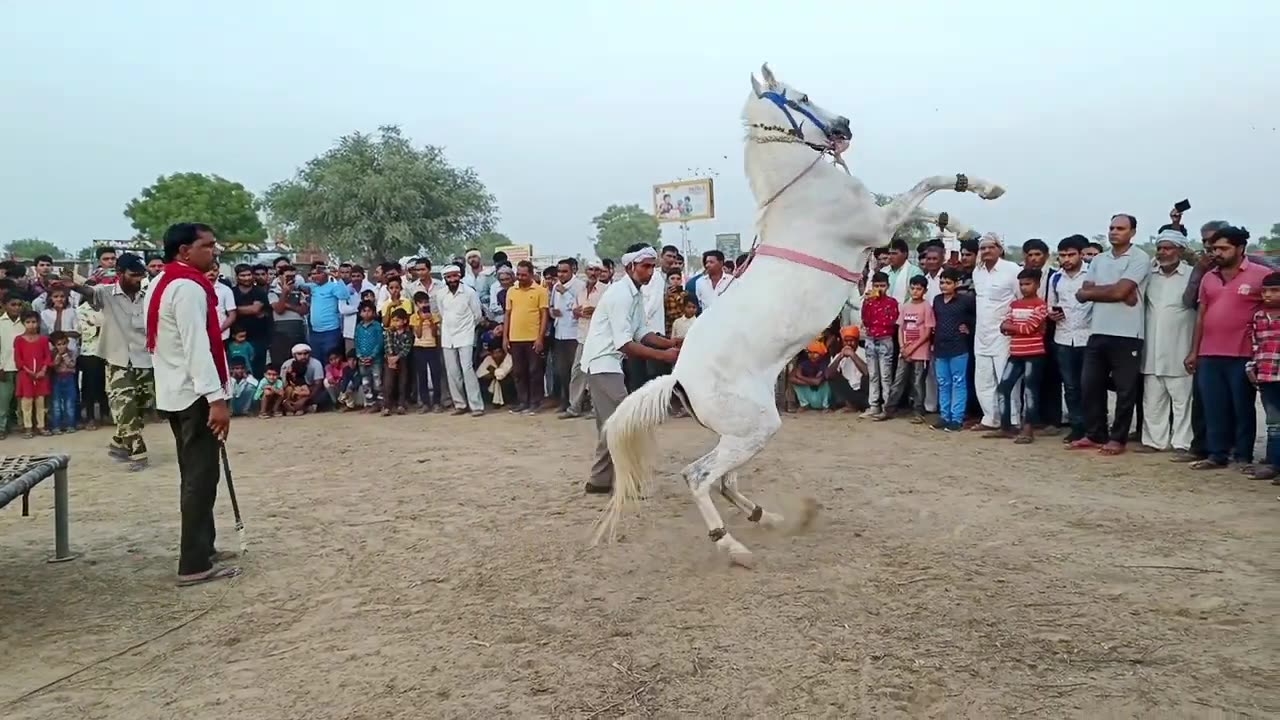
point(123, 344)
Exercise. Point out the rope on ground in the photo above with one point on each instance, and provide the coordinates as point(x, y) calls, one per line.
point(126, 651)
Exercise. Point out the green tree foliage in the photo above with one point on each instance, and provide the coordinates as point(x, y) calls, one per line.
point(375, 196)
point(29, 248)
point(620, 226)
point(192, 197)
point(87, 253)
point(1271, 243)
point(488, 242)
point(914, 231)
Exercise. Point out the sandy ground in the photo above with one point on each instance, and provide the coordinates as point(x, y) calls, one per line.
point(947, 576)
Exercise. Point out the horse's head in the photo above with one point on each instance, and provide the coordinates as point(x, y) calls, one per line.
point(799, 116)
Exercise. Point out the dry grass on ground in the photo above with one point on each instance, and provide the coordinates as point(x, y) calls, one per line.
point(947, 576)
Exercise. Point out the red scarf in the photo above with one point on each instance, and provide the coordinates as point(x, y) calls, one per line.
point(182, 271)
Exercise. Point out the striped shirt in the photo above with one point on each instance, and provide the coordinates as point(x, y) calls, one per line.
point(1264, 335)
point(1025, 326)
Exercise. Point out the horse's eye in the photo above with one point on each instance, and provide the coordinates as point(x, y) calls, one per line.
point(804, 99)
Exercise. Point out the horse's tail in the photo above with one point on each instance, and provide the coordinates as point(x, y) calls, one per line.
point(629, 434)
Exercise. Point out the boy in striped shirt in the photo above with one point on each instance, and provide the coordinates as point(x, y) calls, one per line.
point(1025, 327)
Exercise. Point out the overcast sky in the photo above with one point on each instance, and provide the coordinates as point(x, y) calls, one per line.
point(564, 108)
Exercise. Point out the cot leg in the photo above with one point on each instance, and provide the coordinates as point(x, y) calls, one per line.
point(26, 504)
point(61, 520)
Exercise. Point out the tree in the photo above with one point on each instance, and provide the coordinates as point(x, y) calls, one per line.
point(489, 242)
point(913, 231)
point(191, 197)
point(375, 196)
point(621, 226)
point(1271, 243)
point(29, 248)
point(87, 253)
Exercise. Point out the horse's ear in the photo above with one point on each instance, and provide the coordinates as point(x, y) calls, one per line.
point(755, 86)
point(767, 75)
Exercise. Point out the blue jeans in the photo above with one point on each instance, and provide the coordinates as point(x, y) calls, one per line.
point(1026, 369)
point(1271, 404)
point(953, 387)
point(66, 406)
point(1071, 368)
point(322, 342)
point(1229, 417)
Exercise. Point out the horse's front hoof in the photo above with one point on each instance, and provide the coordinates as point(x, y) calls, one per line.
point(995, 192)
point(742, 559)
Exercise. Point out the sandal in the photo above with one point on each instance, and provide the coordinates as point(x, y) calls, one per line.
point(208, 576)
point(1207, 465)
point(1084, 444)
point(263, 416)
point(1112, 449)
point(1023, 440)
point(1264, 472)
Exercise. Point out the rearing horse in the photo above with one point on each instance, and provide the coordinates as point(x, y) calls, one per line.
point(815, 222)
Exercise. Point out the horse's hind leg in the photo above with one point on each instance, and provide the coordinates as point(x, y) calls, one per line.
point(755, 513)
point(729, 454)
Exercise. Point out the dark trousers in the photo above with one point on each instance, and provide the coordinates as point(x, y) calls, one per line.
point(258, 363)
point(1070, 367)
point(283, 337)
point(1198, 431)
point(93, 388)
point(1026, 369)
point(852, 398)
point(1118, 359)
point(564, 351)
point(1049, 392)
point(395, 383)
point(529, 368)
point(430, 374)
point(198, 466)
point(1230, 420)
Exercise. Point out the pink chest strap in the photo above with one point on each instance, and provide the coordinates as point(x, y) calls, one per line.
point(800, 258)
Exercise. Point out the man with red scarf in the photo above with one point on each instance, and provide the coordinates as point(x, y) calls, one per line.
point(185, 339)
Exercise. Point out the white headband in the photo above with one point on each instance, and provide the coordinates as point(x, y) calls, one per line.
point(595, 263)
point(644, 253)
point(473, 253)
point(451, 268)
point(1172, 236)
point(991, 237)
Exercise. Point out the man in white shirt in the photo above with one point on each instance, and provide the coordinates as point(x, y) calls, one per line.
point(225, 303)
point(11, 326)
point(619, 328)
point(1170, 324)
point(713, 282)
point(995, 286)
point(585, 305)
point(900, 271)
point(1071, 327)
point(564, 297)
point(192, 387)
point(460, 313)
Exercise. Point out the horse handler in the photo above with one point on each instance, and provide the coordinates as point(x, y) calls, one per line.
point(185, 339)
point(618, 329)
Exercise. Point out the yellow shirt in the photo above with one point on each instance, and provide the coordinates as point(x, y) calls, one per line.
point(389, 307)
point(428, 336)
point(525, 310)
point(9, 330)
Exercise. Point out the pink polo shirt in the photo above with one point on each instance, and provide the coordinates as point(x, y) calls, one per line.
point(1228, 309)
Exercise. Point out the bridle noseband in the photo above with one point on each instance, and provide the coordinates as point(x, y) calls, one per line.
point(786, 105)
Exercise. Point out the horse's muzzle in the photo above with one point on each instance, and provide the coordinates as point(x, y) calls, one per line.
point(840, 129)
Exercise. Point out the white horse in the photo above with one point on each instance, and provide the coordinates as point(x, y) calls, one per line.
point(816, 222)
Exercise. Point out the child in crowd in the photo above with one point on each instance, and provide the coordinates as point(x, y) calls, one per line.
point(58, 317)
point(33, 356)
point(396, 301)
point(879, 316)
point(428, 368)
point(239, 346)
point(1263, 369)
point(12, 320)
point(1025, 327)
point(244, 387)
point(65, 413)
point(270, 393)
point(297, 394)
point(349, 389)
point(915, 338)
point(334, 370)
point(369, 353)
point(954, 314)
point(809, 378)
point(93, 369)
point(680, 327)
point(496, 369)
point(848, 371)
point(399, 344)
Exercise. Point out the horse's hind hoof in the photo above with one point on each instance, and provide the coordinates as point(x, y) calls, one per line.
point(742, 559)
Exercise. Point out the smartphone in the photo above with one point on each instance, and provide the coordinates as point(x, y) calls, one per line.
point(1057, 309)
point(1182, 206)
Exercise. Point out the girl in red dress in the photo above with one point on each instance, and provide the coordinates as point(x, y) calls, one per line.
point(34, 356)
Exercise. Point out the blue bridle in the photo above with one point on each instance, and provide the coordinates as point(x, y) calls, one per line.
point(786, 105)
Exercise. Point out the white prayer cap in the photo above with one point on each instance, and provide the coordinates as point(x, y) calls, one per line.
point(595, 263)
point(991, 238)
point(451, 268)
point(301, 348)
point(506, 270)
point(1170, 235)
point(644, 253)
point(473, 253)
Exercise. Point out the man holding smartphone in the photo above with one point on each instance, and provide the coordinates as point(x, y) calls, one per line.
point(289, 310)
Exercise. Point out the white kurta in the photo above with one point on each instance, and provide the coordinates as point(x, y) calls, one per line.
point(994, 289)
point(1167, 386)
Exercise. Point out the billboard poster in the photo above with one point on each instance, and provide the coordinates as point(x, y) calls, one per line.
point(684, 201)
point(516, 253)
point(730, 244)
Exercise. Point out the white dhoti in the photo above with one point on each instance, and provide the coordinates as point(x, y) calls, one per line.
point(987, 373)
point(1166, 412)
